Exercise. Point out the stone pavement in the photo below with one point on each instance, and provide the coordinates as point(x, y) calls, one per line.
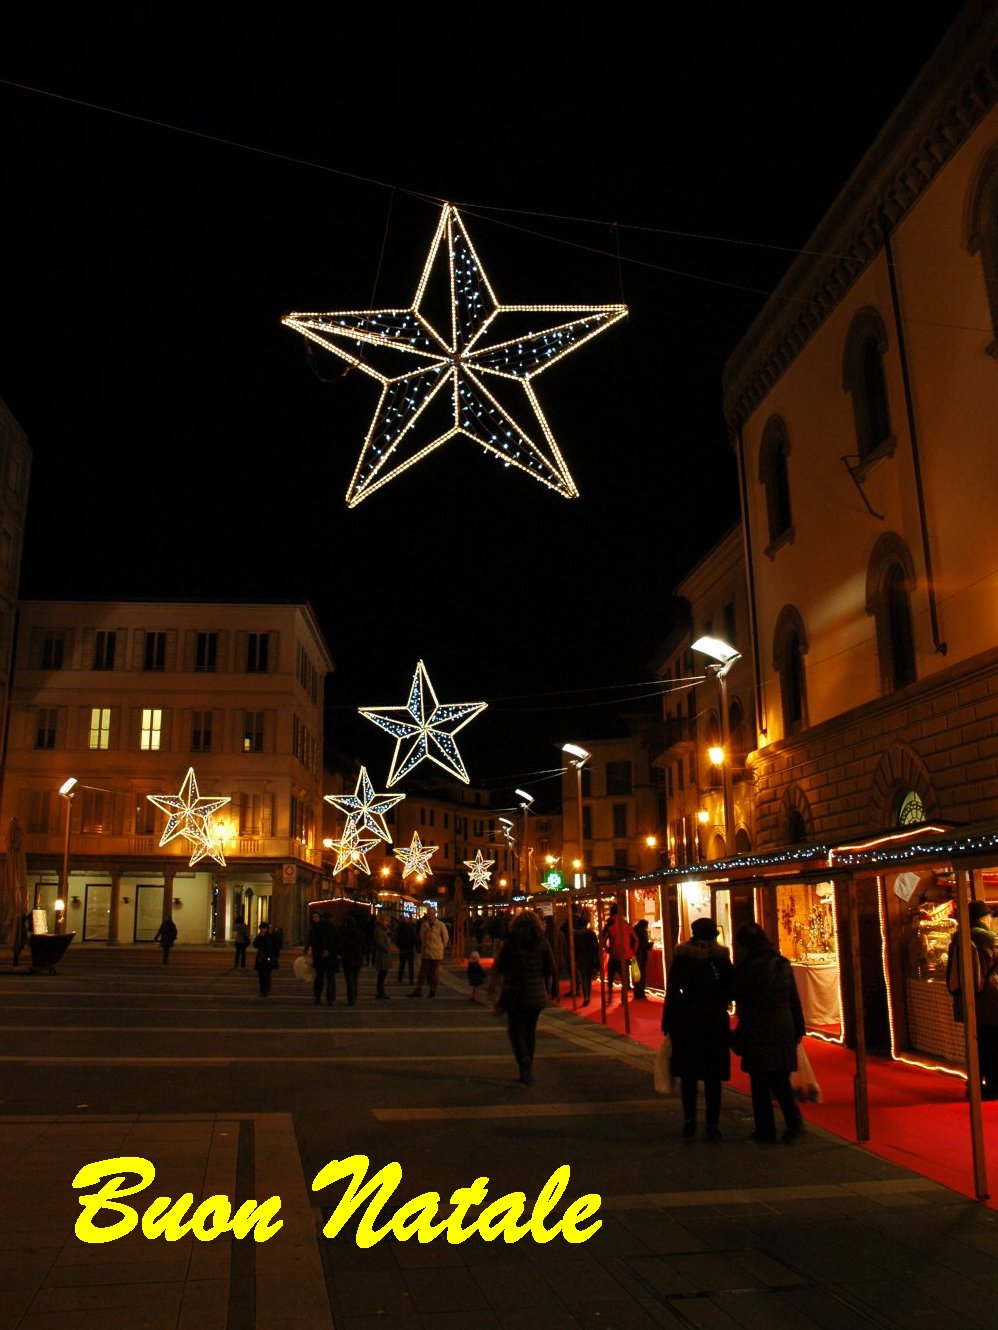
point(815, 1234)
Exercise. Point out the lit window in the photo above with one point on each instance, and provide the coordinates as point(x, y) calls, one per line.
point(100, 727)
point(152, 730)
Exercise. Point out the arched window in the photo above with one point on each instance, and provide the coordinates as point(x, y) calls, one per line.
point(789, 649)
point(982, 233)
point(774, 476)
point(863, 377)
point(796, 827)
point(890, 578)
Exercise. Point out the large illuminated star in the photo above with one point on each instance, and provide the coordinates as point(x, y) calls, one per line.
point(351, 849)
point(456, 377)
point(416, 859)
point(432, 735)
point(188, 810)
point(478, 869)
point(364, 808)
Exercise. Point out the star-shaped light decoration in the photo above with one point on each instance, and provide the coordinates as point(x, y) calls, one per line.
point(352, 849)
point(478, 870)
point(364, 808)
point(456, 375)
point(416, 859)
point(190, 816)
point(432, 734)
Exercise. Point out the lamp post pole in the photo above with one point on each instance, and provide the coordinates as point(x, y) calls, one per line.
point(524, 857)
point(724, 656)
point(578, 757)
point(66, 790)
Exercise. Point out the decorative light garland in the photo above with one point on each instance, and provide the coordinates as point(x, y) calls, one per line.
point(416, 859)
point(189, 815)
point(352, 850)
point(478, 870)
point(365, 809)
point(458, 365)
point(431, 735)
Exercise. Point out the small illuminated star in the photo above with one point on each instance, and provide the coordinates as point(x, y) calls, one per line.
point(478, 870)
point(365, 808)
point(209, 843)
point(416, 859)
point(460, 375)
point(188, 810)
point(352, 850)
point(432, 735)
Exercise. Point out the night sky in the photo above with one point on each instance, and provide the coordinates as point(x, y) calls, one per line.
point(187, 445)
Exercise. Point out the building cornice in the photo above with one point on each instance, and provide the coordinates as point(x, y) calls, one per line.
point(953, 93)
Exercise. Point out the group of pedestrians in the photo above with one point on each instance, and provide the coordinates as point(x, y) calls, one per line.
point(700, 987)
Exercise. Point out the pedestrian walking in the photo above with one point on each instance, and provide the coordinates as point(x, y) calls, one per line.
point(476, 974)
point(354, 947)
point(586, 945)
point(620, 944)
point(166, 935)
point(405, 940)
point(433, 939)
point(322, 944)
point(641, 955)
point(695, 1017)
point(241, 940)
point(525, 966)
point(381, 952)
point(770, 1026)
point(984, 963)
point(267, 954)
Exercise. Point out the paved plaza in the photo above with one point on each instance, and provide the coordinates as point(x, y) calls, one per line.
point(227, 1094)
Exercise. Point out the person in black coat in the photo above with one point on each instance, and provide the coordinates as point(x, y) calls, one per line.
point(267, 951)
point(322, 943)
point(695, 1017)
point(166, 935)
point(586, 945)
point(354, 950)
point(770, 1026)
point(526, 967)
point(405, 940)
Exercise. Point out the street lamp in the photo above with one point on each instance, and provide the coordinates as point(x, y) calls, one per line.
point(507, 834)
point(524, 855)
point(723, 657)
point(66, 789)
point(578, 757)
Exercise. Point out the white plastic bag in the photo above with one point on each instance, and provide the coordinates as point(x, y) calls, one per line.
point(304, 969)
point(664, 1080)
point(803, 1080)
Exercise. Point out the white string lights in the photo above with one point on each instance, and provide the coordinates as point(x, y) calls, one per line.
point(416, 859)
point(352, 849)
point(478, 870)
point(190, 815)
point(432, 734)
point(456, 367)
point(366, 810)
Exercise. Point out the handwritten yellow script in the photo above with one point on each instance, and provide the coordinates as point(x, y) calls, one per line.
point(508, 1217)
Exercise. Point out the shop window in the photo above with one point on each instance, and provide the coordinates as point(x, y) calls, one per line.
point(775, 478)
point(982, 235)
point(890, 577)
point(790, 646)
point(864, 379)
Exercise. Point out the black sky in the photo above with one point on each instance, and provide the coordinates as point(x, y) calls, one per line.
point(668, 156)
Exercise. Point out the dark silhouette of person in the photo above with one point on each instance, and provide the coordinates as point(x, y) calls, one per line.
point(695, 1017)
point(166, 935)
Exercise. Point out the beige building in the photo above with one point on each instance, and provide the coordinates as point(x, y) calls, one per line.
point(15, 474)
point(126, 698)
point(863, 404)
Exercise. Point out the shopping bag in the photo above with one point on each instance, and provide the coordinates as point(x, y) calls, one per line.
point(664, 1080)
point(304, 969)
point(634, 969)
point(803, 1081)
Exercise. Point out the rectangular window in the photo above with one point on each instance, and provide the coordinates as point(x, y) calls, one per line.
point(620, 821)
point(587, 783)
point(587, 822)
point(45, 731)
point(152, 730)
point(145, 818)
point(38, 811)
point(205, 652)
point(256, 652)
point(302, 822)
point(620, 858)
point(252, 731)
point(618, 778)
point(201, 732)
point(155, 651)
point(254, 814)
point(104, 643)
point(95, 815)
point(100, 727)
point(53, 646)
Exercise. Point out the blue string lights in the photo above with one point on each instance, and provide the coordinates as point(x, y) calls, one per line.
point(456, 368)
point(366, 810)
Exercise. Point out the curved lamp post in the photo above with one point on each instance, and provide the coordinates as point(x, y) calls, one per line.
point(723, 657)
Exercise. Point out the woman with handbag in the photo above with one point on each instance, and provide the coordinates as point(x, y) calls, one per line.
point(770, 1026)
point(695, 1017)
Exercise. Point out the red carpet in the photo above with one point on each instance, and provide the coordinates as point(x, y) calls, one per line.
point(919, 1118)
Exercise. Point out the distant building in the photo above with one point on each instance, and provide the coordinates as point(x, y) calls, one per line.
point(127, 697)
point(15, 474)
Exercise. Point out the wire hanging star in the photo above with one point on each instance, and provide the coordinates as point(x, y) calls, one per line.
point(365, 808)
point(416, 859)
point(478, 870)
point(431, 734)
point(188, 810)
point(210, 843)
point(452, 388)
point(352, 849)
